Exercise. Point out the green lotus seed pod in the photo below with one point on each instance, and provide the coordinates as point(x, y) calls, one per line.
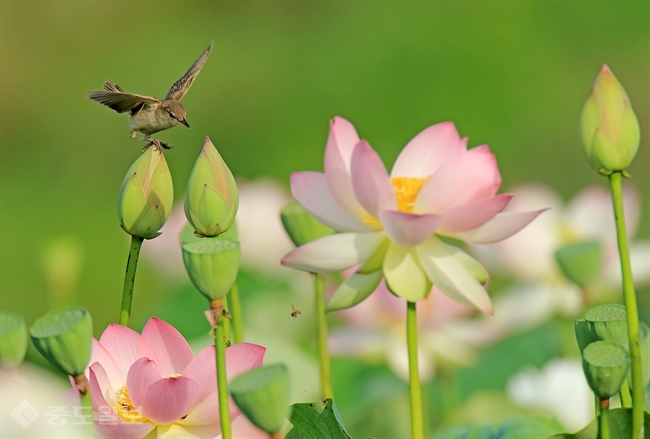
point(212, 265)
point(64, 338)
point(13, 339)
point(606, 366)
point(301, 226)
point(608, 323)
point(262, 394)
point(580, 262)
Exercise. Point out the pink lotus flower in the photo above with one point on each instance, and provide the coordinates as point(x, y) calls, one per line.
point(437, 188)
point(139, 383)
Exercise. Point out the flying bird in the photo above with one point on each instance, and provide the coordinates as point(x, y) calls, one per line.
point(148, 114)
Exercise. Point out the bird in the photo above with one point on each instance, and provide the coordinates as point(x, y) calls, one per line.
point(149, 115)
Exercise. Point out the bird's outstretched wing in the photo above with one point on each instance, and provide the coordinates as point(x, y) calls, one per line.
point(181, 86)
point(115, 98)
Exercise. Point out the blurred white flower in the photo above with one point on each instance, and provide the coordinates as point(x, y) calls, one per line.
point(560, 389)
point(530, 255)
point(261, 234)
point(376, 328)
point(35, 404)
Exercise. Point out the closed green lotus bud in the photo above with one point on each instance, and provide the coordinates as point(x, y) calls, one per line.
point(262, 394)
point(603, 323)
point(606, 366)
point(13, 339)
point(64, 338)
point(580, 262)
point(212, 265)
point(301, 226)
point(608, 126)
point(212, 198)
point(146, 195)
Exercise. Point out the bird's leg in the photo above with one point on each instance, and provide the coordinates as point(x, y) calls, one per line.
point(157, 144)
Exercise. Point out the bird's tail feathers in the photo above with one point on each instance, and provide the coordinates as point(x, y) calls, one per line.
point(109, 86)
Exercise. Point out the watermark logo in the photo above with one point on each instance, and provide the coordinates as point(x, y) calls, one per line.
point(25, 413)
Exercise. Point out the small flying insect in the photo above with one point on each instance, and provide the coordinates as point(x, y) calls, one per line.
point(295, 312)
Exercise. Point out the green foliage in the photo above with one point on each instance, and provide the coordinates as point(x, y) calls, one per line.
point(580, 262)
point(529, 427)
point(317, 420)
point(620, 427)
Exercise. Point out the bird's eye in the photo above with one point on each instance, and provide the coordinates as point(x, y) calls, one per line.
point(171, 113)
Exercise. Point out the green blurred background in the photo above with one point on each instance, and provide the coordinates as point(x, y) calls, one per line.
point(510, 74)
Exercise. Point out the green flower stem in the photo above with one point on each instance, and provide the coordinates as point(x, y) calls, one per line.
point(603, 420)
point(222, 380)
point(321, 337)
point(87, 407)
point(129, 280)
point(415, 389)
point(626, 398)
point(630, 304)
point(235, 310)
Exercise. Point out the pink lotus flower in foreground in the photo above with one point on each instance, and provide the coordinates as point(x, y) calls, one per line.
point(437, 188)
point(139, 383)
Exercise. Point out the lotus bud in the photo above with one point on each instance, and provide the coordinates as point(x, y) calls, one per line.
point(13, 340)
point(262, 394)
point(301, 226)
point(146, 195)
point(580, 262)
point(64, 338)
point(212, 199)
point(212, 265)
point(608, 126)
point(606, 366)
point(187, 234)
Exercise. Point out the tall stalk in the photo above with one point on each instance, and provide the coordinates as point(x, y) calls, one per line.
point(321, 337)
point(638, 399)
point(415, 388)
point(222, 381)
point(129, 280)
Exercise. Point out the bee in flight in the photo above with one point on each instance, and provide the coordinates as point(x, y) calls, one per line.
point(295, 312)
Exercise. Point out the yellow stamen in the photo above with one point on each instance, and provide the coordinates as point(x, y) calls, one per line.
point(125, 408)
point(406, 191)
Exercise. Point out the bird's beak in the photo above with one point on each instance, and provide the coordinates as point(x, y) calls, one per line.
point(184, 122)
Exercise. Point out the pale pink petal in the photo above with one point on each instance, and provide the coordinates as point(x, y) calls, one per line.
point(125, 346)
point(496, 183)
point(529, 254)
point(471, 216)
point(407, 229)
point(423, 155)
point(450, 276)
point(370, 181)
point(107, 423)
point(169, 399)
point(311, 191)
point(205, 412)
point(502, 226)
point(203, 370)
point(242, 357)
point(100, 387)
point(338, 155)
point(242, 428)
point(465, 179)
point(334, 252)
point(100, 355)
point(142, 375)
point(173, 352)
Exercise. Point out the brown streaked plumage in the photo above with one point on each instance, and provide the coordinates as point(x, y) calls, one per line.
point(148, 114)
